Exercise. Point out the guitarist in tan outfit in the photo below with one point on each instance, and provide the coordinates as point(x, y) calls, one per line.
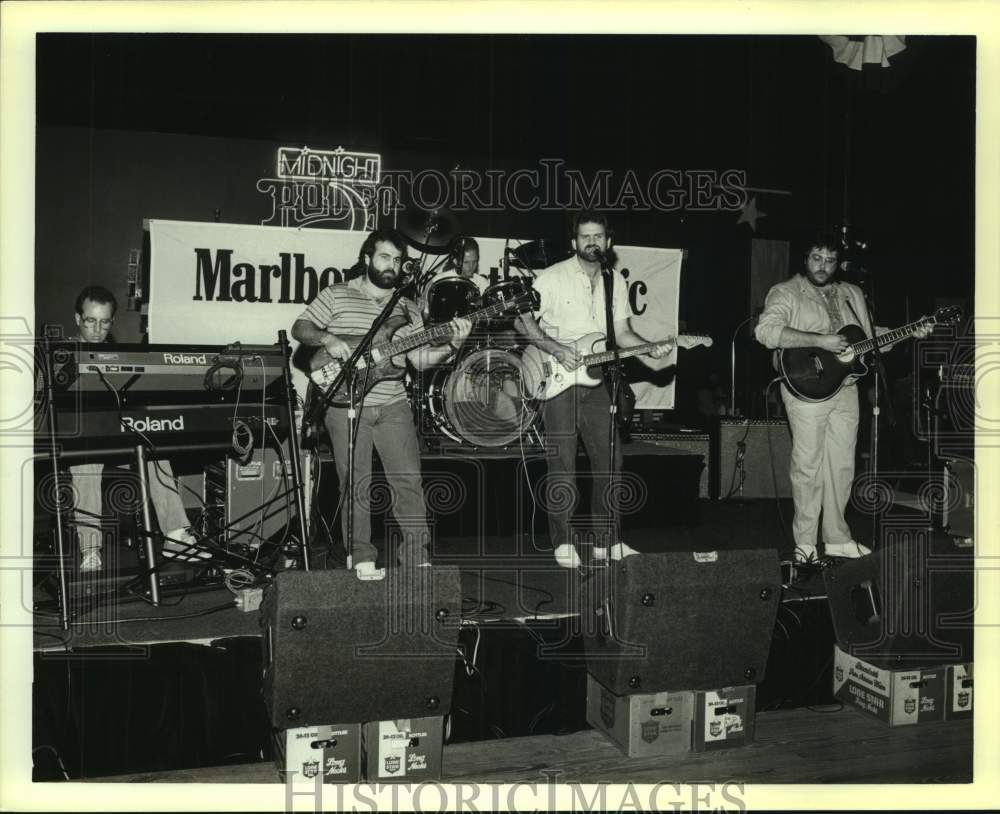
point(806, 311)
point(572, 306)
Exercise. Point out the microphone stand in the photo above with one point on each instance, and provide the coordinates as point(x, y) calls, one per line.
point(732, 366)
point(614, 370)
point(876, 412)
point(348, 372)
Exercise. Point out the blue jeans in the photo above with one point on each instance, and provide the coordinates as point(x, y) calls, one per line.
point(582, 411)
point(389, 429)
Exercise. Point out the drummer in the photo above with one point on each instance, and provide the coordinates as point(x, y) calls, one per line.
point(468, 249)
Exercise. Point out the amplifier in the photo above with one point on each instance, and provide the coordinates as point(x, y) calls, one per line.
point(696, 443)
point(756, 453)
point(248, 497)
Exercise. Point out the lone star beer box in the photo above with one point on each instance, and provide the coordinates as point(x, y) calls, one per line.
point(404, 751)
point(724, 718)
point(332, 752)
point(959, 692)
point(644, 724)
point(897, 696)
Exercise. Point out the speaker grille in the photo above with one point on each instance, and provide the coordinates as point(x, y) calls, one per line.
point(338, 650)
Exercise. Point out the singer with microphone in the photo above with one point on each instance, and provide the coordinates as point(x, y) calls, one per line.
point(572, 305)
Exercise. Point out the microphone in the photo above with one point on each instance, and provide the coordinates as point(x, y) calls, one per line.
point(600, 256)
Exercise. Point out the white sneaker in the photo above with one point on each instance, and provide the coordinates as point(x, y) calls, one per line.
point(181, 545)
point(849, 551)
point(367, 572)
point(91, 560)
point(619, 551)
point(567, 557)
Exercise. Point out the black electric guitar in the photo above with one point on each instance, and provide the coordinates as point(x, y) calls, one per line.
point(814, 374)
point(323, 368)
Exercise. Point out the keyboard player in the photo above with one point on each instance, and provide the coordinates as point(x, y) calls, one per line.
point(95, 314)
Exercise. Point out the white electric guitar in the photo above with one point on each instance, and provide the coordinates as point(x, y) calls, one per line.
point(543, 377)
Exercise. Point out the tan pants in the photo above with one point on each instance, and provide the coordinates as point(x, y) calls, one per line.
point(824, 435)
point(86, 481)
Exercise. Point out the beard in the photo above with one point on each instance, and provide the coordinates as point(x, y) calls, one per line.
point(827, 279)
point(385, 279)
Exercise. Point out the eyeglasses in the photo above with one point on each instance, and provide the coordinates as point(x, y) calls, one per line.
point(826, 261)
point(90, 322)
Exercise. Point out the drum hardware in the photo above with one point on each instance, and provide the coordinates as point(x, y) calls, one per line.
point(539, 254)
point(429, 232)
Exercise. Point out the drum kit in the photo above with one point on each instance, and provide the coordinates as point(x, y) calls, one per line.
point(476, 399)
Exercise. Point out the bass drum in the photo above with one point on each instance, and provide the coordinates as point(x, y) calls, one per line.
point(480, 401)
point(445, 299)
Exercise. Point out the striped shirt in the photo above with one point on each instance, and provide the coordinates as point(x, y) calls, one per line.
point(347, 310)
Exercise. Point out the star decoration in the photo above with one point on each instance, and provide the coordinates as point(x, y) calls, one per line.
point(750, 214)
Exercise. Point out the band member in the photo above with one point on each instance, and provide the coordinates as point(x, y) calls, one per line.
point(384, 421)
point(572, 305)
point(96, 308)
point(806, 311)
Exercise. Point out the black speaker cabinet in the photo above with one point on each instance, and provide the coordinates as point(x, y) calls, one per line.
point(682, 620)
point(909, 603)
point(338, 650)
point(762, 448)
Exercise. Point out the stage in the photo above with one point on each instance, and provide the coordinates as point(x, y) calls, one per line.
point(173, 693)
point(822, 745)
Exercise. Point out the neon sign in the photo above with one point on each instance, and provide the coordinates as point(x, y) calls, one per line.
point(336, 187)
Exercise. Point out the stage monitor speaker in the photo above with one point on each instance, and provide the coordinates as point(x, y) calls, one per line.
point(764, 450)
point(338, 650)
point(909, 603)
point(682, 620)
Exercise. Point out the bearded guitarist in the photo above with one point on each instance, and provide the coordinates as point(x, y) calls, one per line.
point(572, 305)
point(385, 422)
point(807, 311)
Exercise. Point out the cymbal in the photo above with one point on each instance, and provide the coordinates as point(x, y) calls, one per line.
point(539, 254)
point(431, 232)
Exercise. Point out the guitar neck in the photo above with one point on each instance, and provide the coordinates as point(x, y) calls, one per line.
point(861, 348)
point(623, 353)
point(638, 350)
point(443, 331)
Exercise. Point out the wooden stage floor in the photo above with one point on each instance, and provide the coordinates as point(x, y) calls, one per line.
point(792, 746)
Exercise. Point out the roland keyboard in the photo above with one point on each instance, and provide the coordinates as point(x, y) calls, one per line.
point(168, 428)
point(130, 370)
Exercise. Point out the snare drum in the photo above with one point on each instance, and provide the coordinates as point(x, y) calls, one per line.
point(480, 401)
point(449, 297)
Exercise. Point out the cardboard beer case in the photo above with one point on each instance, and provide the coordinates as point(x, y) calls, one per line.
point(332, 752)
point(899, 696)
point(408, 750)
point(958, 702)
point(724, 718)
point(643, 724)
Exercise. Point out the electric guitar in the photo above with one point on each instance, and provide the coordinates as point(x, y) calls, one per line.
point(814, 374)
point(323, 368)
point(543, 377)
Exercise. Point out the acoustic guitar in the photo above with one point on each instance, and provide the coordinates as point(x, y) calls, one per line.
point(814, 374)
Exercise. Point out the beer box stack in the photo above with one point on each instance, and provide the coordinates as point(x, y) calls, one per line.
point(902, 696)
point(403, 751)
point(664, 723)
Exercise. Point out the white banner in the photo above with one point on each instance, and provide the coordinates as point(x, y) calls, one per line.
point(216, 283)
